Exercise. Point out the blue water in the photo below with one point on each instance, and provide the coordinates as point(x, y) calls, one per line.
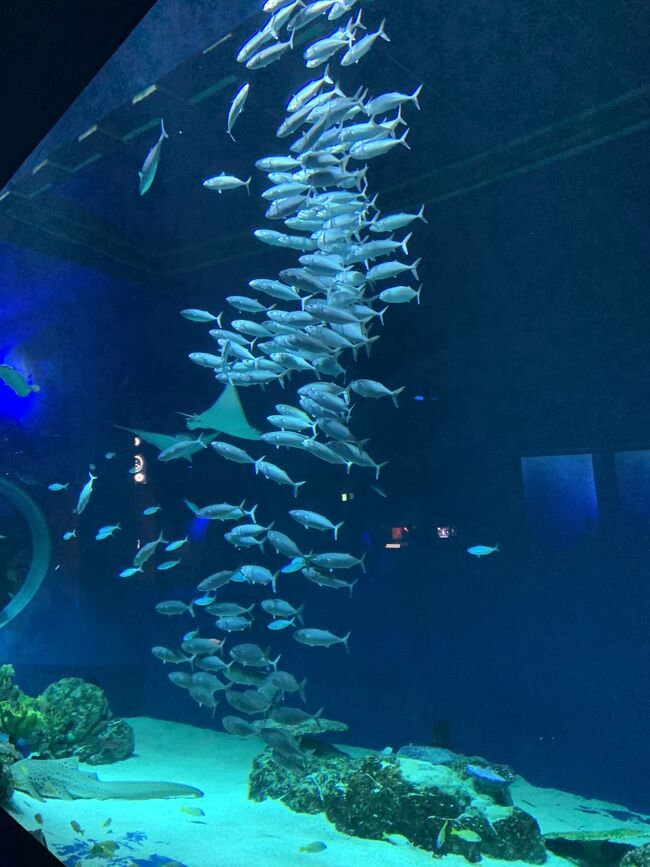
point(524, 419)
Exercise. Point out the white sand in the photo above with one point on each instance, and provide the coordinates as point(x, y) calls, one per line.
point(236, 832)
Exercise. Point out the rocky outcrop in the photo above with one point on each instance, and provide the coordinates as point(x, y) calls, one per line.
point(80, 723)
point(637, 857)
point(70, 718)
point(434, 806)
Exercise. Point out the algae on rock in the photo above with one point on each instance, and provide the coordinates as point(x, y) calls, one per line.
point(378, 795)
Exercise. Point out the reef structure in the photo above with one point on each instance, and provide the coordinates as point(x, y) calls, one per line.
point(435, 807)
point(70, 718)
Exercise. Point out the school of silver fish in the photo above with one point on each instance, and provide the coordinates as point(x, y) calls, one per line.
point(301, 324)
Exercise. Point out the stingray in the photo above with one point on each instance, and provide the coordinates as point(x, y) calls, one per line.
point(225, 415)
point(163, 441)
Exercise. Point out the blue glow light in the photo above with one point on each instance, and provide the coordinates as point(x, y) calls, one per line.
point(419, 397)
point(198, 529)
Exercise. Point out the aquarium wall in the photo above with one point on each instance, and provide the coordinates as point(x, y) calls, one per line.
point(453, 512)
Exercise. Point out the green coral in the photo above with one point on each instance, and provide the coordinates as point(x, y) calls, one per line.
point(21, 718)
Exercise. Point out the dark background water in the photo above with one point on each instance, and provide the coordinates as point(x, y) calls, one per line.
point(531, 340)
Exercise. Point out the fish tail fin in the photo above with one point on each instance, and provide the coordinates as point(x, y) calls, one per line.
point(381, 32)
point(497, 547)
point(296, 486)
point(163, 131)
point(274, 662)
point(378, 469)
point(318, 715)
point(403, 141)
point(298, 614)
point(248, 184)
point(405, 243)
point(301, 690)
point(190, 608)
point(414, 268)
point(344, 641)
point(337, 527)
point(327, 79)
point(231, 136)
point(380, 313)
point(251, 512)
point(351, 585)
point(415, 95)
point(419, 291)
point(398, 391)
point(421, 216)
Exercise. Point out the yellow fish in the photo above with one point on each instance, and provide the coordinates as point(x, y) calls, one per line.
point(192, 811)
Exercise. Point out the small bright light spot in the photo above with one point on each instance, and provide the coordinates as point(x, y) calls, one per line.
point(392, 545)
point(419, 397)
point(346, 497)
point(137, 441)
point(446, 532)
point(140, 478)
point(397, 533)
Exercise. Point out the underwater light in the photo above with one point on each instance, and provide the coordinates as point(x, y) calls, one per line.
point(419, 397)
point(347, 496)
point(392, 545)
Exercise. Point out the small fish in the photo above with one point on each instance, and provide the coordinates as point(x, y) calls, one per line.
point(192, 811)
point(320, 638)
point(226, 182)
point(379, 491)
point(69, 534)
point(316, 846)
point(84, 496)
point(466, 835)
point(486, 775)
point(110, 455)
point(168, 564)
point(150, 165)
point(76, 827)
point(57, 486)
point(106, 823)
point(237, 107)
point(442, 835)
point(174, 606)
point(201, 316)
point(191, 506)
point(107, 531)
point(38, 818)
point(397, 839)
point(151, 510)
point(280, 624)
point(128, 573)
point(174, 546)
point(483, 550)
point(106, 849)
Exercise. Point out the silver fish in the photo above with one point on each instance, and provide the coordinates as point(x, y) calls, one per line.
point(320, 638)
point(150, 165)
point(237, 107)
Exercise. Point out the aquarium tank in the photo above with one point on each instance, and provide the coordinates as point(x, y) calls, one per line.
point(325, 442)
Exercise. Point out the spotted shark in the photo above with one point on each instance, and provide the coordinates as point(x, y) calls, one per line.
point(62, 779)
